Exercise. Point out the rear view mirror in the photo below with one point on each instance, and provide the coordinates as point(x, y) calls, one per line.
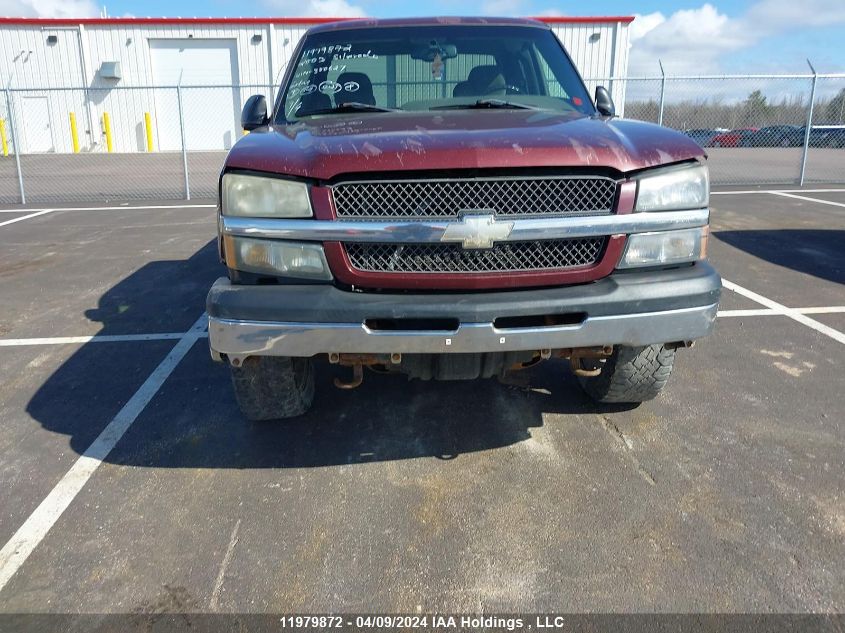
point(427, 52)
point(604, 102)
point(254, 114)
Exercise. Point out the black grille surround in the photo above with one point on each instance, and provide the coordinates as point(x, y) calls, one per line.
point(504, 257)
point(507, 196)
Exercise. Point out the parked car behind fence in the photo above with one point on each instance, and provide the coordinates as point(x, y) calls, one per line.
point(827, 136)
point(775, 136)
point(704, 136)
point(733, 138)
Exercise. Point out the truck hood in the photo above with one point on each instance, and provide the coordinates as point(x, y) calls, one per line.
point(327, 146)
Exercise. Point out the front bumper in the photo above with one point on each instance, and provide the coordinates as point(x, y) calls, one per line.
point(632, 308)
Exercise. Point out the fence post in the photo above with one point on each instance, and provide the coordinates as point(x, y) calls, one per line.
point(662, 92)
point(809, 124)
point(184, 147)
point(16, 145)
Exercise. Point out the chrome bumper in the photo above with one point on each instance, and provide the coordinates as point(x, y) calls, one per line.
point(239, 339)
point(437, 231)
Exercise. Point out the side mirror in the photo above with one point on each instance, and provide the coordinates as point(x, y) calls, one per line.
point(604, 102)
point(254, 113)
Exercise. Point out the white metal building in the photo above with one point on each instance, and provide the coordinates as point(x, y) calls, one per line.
point(116, 78)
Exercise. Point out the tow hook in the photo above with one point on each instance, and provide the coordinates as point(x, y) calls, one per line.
point(357, 362)
point(357, 378)
point(576, 360)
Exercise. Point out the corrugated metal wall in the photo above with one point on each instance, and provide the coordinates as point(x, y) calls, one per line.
point(70, 68)
point(600, 52)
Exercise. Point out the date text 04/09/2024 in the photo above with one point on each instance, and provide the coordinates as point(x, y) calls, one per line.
point(422, 622)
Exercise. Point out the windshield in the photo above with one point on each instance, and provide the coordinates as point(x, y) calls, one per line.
point(418, 68)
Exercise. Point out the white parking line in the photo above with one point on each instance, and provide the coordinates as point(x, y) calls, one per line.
point(96, 338)
point(749, 191)
point(26, 217)
point(792, 195)
point(118, 208)
point(36, 527)
point(172, 336)
point(836, 335)
point(830, 310)
point(748, 313)
point(769, 311)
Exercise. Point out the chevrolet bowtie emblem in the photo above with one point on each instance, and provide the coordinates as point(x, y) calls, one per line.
point(477, 231)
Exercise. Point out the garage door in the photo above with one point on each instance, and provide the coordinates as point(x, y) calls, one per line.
point(211, 114)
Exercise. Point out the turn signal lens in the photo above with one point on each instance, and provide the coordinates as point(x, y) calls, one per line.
point(665, 247)
point(302, 260)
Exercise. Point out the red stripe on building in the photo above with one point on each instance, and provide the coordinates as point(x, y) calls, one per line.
point(264, 20)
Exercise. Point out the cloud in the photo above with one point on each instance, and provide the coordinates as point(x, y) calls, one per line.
point(316, 8)
point(87, 8)
point(693, 41)
point(515, 9)
point(778, 15)
point(642, 24)
point(48, 8)
point(689, 41)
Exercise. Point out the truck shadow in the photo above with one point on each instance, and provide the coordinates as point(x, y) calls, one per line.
point(193, 421)
point(810, 251)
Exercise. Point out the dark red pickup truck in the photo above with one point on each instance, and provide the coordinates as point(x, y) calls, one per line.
point(442, 198)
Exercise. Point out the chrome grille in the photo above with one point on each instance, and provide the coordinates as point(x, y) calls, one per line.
point(422, 199)
point(453, 258)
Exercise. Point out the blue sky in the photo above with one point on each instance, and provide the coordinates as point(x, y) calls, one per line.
point(694, 37)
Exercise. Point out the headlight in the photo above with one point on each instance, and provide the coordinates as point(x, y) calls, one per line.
point(687, 188)
point(666, 247)
point(260, 197)
point(269, 257)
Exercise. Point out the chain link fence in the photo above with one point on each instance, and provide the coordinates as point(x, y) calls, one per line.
point(757, 129)
point(128, 143)
point(167, 142)
point(826, 145)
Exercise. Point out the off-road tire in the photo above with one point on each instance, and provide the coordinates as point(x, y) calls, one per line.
point(273, 387)
point(631, 375)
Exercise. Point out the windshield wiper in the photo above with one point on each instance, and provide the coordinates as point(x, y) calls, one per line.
point(350, 106)
point(482, 104)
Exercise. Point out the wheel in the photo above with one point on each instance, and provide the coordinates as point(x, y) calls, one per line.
point(785, 142)
point(273, 387)
point(717, 144)
point(631, 374)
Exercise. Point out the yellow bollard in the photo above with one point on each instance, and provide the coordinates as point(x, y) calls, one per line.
point(74, 134)
point(3, 137)
point(107, 130)
point(148, 124)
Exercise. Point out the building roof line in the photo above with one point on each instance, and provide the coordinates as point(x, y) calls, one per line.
point(261, 20)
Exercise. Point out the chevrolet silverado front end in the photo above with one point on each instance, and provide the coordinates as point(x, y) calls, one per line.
point(444, 200)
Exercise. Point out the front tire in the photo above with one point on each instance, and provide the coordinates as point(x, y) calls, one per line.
point(631, 375)
point(273, 387)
